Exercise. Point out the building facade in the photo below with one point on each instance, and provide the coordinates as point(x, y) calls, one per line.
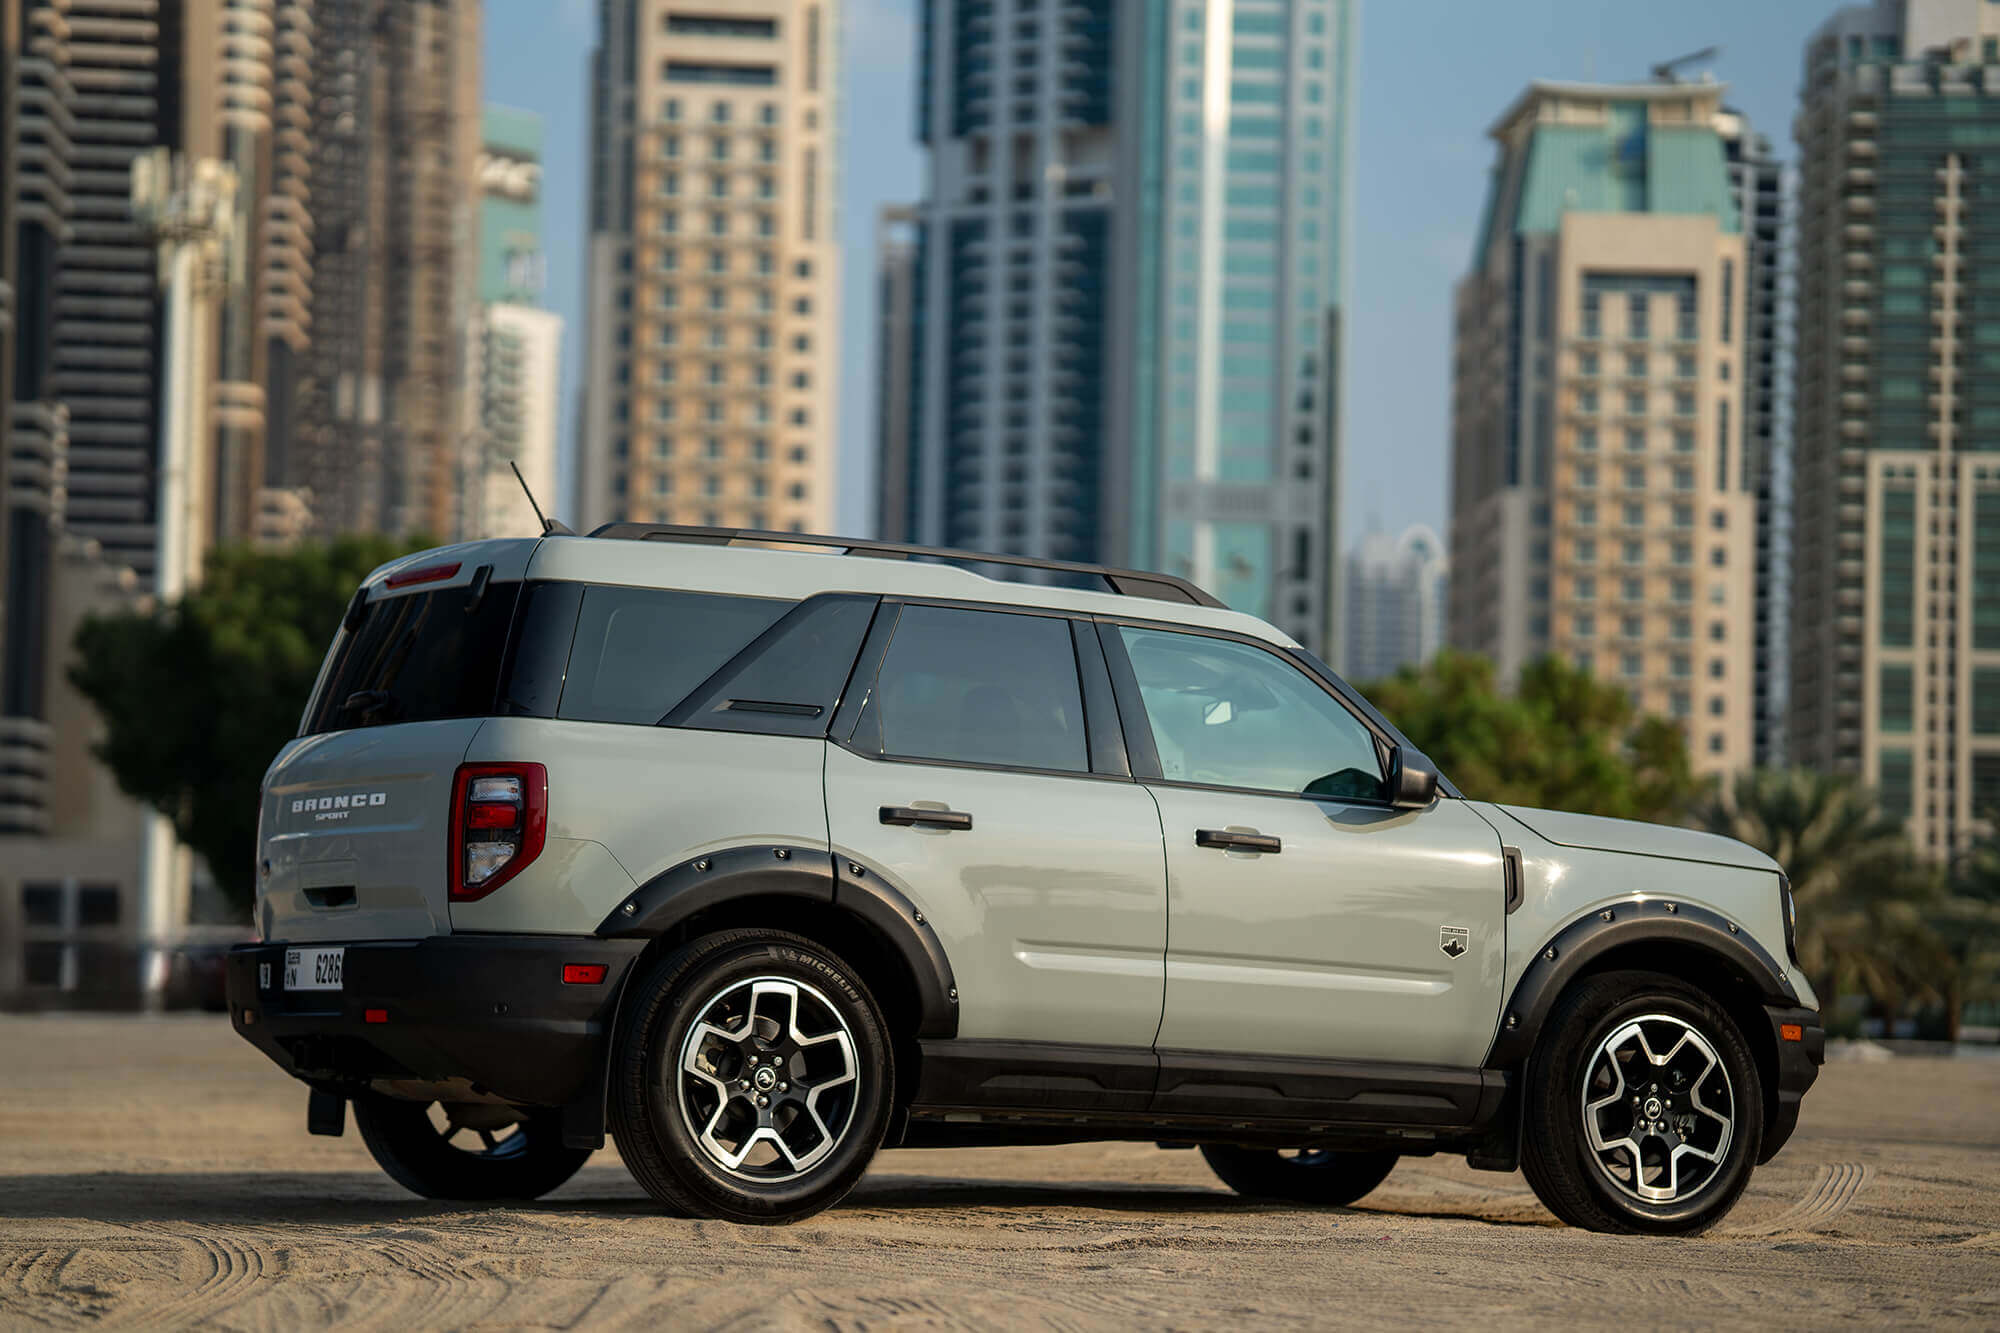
point(379, 421)
point(1764, 202)
point(1128, 305)
point(895, 310)
point(1394, 607)
point(1602, 506)
point(711, 380)
point(1896, 534)
point(514, 347)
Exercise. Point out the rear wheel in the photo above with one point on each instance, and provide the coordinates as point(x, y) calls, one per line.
point(465, 1151)
point(752, 1079)
point(1644, 1107)
point(1306, 1175)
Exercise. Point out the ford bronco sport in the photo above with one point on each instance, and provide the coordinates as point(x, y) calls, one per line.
point(765, 858)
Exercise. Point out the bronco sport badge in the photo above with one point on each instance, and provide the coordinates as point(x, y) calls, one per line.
point(1452, 939)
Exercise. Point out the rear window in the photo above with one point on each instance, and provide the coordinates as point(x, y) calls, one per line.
point(640, 651)
point(417, 658)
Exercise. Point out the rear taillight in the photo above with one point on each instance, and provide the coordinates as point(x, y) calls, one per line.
point(499, 819)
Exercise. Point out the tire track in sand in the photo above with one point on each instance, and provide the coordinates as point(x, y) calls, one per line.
point(1833, 1189)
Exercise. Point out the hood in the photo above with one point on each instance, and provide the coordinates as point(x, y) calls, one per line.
point(1598, 833)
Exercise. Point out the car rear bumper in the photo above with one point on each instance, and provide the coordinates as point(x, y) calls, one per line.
point(1798, 1065)
point(493, 1010)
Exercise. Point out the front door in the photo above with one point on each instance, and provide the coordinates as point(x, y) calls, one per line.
point(969, 780)
point(1306, 916)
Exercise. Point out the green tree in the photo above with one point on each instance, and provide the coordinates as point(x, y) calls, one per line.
point(1562, 740)
point(1866, 904)
point(198, 696)
point(1970, 924)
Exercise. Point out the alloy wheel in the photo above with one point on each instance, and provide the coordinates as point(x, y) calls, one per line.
point(1659, 1111)
point(767, 1082)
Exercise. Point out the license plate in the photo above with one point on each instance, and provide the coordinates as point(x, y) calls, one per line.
point(313, 969)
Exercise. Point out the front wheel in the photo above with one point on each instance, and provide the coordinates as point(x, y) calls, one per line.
point(752, 1079)
point(468, 1152)
point(1309, 1175)
point(1644, 1108)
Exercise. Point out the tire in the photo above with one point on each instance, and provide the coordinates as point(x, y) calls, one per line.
point(523, 1161)
point(1698, 1087)
point(1312, 1176)
point(731, 1018)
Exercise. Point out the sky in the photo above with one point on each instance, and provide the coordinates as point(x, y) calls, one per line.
point(1434, 75)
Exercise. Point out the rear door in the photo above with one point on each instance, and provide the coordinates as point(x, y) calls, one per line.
point(353, 828)
point(983, 774)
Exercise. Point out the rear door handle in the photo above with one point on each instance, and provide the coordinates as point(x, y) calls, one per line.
point(911, 815)
point(1229, 840)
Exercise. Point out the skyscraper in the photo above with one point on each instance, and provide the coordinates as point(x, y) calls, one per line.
point(895, 327)
point(514, 347)
point(380, 416)
point(1394, 604)
point(1896, 535)
point(714, 267)
point(1129, 294)
point(1764, 203)
point(1602, 506)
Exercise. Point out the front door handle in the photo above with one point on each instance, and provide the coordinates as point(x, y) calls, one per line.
point(911, 816)
point(1229, 840)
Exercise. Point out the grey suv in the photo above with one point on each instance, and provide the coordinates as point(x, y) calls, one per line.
point(765, 858)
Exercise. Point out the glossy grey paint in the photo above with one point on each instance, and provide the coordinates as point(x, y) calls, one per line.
point(1052, 907)
point(1331, 948)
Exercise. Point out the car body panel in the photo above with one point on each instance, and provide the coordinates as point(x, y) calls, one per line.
point(1631, 837)
point(1334, 947)
point(651, 797)
point(1052, 907)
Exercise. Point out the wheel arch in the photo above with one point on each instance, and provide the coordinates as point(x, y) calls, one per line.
point(1691, 943)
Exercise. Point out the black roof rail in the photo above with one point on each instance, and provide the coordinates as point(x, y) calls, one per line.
point(1128, 582)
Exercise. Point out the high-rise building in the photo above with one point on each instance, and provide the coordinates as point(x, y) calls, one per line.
point(1602, 506)
point(1129, 302)
point(1764, 202)
point(514, 347)
point(244, 98)
point(1896, 533)
point(378, 436)
point(1394, 604)
point(714, 265)
point(895, 327)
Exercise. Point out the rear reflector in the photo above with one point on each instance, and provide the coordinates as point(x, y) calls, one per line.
point(583, 974)
point(374, 1015)
point(1792, 1031)
point(427, 574)
point(492, 815)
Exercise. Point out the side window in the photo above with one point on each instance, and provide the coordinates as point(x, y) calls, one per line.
point(1230, 715)
point(640, 651)
point(978, 687)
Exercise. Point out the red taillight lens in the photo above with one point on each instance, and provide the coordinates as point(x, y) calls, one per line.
point(491, 814)
point(425, 574)
point(584, 974)
point(499, 820)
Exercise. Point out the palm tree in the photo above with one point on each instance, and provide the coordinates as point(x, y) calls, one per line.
point(1864, 900)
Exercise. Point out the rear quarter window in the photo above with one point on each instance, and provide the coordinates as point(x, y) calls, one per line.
point(416, 657)
point(639, 651)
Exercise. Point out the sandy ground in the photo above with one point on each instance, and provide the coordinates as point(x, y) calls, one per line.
point(158, 1173)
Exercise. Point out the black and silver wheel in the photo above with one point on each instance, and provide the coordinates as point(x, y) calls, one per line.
point(465, 1151)
point(752, 1079)
point(1305, 1175)
point(1645, 1109)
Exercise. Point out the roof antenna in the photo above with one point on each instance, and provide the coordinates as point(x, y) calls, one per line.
point(550, 527)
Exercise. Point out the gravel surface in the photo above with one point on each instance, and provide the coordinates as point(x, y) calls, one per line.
point(158, 1173)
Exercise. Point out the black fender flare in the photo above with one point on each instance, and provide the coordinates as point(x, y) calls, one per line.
point(1634, 921)
point(765, 870)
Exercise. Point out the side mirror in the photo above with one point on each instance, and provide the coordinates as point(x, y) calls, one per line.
point(1413, 779)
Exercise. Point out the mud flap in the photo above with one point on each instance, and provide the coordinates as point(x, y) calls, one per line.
point(326, 1114)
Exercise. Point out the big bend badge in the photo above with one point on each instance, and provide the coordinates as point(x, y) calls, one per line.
point(1454, 940)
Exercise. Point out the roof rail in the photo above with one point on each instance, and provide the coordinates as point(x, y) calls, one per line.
point(1127, 582)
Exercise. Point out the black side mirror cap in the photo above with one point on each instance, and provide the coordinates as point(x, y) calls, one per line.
point(1413, 779)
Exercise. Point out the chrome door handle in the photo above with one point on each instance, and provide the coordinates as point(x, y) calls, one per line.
point(911, 816)
point(1229, 840)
